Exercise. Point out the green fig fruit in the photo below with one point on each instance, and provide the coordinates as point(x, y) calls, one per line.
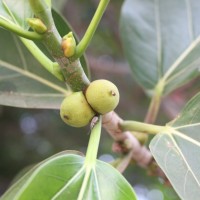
point(75, 110)
point(102, 95)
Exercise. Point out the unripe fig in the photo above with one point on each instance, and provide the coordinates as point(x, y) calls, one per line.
point(102, 95)
point(75, 110)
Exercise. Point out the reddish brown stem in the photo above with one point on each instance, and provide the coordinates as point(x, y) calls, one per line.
point(127, 141)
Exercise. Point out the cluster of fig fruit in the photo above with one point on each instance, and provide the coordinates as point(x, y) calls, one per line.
point(100, 97)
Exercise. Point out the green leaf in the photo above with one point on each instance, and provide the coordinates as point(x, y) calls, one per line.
point(20, 9)
point(177, 151)
point(161, 41)
point(23, 81)
point(61, 177)
point(59, 5)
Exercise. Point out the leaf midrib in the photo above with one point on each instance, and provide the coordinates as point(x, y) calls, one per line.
point(193, 44)
point(178, 61)
point(159, 38)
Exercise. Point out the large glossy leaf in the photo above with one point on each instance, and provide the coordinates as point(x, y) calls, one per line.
point(23, 81)
point(177, 151)
point(161, 41)
point(20, 9)
point(62, 177)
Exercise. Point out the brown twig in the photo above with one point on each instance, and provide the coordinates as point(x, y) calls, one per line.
point(125, 141)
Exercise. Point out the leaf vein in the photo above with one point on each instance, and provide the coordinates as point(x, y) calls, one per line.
point(97, 184)
point(68, 183)
point(185, 182)
point(186, 69)
point(186, 126)
point(185, 137)
point(33, 76)
point(181, 58)
point(190, 20)
point(183, 158)
point(21, 55)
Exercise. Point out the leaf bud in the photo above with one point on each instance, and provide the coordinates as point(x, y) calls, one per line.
point(37, 25)
point(69, 45)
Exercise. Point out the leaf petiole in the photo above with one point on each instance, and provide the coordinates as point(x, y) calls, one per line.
point(82, 46)
point(141, 127)
point(91, 155)
point(19, 31)
point(155, 103)
point(93, 145)
point(50, 66)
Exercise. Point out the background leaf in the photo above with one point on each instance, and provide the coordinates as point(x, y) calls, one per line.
point(61, 177)
point(59, 5)
point(23, 81)
point(161, 41)
point(177, 151)
point(20, 10)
